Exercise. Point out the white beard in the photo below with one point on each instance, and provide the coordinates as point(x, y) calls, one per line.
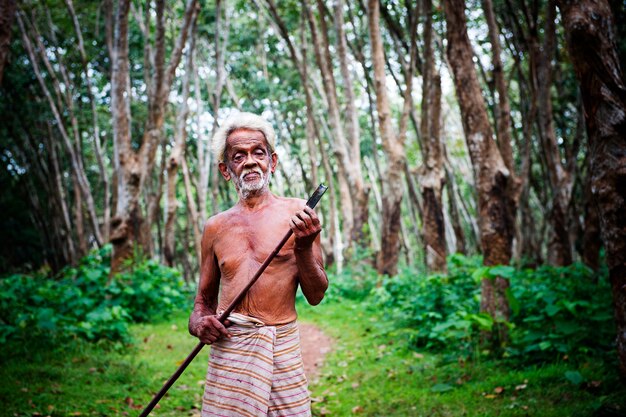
point(246, 189)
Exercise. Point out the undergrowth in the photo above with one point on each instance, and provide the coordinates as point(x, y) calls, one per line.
point(555, 311)
point(85, 302)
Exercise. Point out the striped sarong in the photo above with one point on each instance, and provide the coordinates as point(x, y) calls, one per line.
point(256, 372)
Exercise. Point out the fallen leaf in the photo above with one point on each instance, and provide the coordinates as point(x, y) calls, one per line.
point(498, 390)
point(490, 396)
point(520, 387)
point(418, 355)
point(324, 411)
point(357, 409)
point(174, 327)
point(170, 347)
point(355, 385)
point(441, 388)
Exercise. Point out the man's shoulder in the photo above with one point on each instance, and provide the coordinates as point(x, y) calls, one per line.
point(216, 221)
point(291, 202)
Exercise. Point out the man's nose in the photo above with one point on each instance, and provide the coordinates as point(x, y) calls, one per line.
point(250, 161)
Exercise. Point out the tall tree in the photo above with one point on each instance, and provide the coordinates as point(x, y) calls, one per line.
point(432, 175)
point(133, 167)
point(590, 35)
point(490, 172)
point(7, 14)
point(177, 155)
point(393, 143)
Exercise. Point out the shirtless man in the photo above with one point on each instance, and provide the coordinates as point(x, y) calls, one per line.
point(244, 377)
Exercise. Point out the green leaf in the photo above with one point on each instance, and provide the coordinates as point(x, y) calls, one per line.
point(513, 302)
point(484, 321)
point(480, 273)
point(441, 388)
point(545, 345)
point(574, 377)
point(504, 271)
point(552, 310)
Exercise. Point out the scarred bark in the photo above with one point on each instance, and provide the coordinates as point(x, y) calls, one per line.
point(133, 168)
point(590, 37)
point(491, 174)
point(393, 145)
point(432, 176)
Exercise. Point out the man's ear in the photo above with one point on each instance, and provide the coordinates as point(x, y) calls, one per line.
point(224, 171)
point(274, 162)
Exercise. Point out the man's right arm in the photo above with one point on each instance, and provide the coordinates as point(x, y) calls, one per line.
point(203, 323)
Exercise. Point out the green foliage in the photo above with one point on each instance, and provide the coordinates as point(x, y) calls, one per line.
point(84, 302)
point(554, 311)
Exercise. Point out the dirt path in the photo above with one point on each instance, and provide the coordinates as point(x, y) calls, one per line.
point(315, 345)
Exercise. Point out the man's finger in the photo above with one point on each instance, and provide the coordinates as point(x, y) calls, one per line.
point(305, 218)
point(297, 223)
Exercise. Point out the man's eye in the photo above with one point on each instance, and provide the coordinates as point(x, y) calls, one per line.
point(238, 157)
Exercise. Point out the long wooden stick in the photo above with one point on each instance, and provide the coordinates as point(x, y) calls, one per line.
point(312, 202)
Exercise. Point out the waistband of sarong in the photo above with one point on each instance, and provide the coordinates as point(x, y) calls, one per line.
point(241, 320)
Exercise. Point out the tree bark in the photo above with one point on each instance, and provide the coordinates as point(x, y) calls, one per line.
point(431, 174)
point(319, 39)
point(177, 156)
point(133, 168)
point(387, 259)
point(96, 128)
point(591, 41)
point(7, 15)
point(360, 191)
point(490, 172)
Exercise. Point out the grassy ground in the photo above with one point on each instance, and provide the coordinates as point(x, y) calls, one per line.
point(370, 373)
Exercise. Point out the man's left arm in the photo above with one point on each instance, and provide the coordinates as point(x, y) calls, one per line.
point(308, 252)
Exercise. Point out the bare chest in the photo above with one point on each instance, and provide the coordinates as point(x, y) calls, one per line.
point(245, 243)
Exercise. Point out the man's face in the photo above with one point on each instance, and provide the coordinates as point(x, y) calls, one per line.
point(247, 161)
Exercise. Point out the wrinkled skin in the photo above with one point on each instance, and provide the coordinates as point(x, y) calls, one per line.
point(237, 241)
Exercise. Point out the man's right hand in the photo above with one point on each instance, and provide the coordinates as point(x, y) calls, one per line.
point(209, 329)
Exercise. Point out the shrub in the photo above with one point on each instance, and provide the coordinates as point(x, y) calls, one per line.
point(84, 302)
point(554, 311)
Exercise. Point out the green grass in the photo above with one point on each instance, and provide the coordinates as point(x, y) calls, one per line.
point(371, 372)
point(104, 379)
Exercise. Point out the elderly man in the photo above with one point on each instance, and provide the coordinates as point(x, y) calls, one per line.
point(255, 367)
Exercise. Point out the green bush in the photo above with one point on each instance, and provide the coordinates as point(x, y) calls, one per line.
point(554, 311)
point(84, 302)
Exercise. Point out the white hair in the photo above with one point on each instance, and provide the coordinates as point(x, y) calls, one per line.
point(242, 120)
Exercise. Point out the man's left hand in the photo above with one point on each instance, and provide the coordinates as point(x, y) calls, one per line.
point(306, 226)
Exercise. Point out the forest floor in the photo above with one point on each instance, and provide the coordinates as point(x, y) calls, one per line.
point(356, 368)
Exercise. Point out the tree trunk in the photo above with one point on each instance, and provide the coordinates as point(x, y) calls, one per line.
point(431, 176)
point(359, 191)
point(591, 41)
point(387, 259)
point(133, 168)
point(490, 172)
point(337, 138)
point(7, 14)
point(540, 61)
point(177, 156)
point(99, 152)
